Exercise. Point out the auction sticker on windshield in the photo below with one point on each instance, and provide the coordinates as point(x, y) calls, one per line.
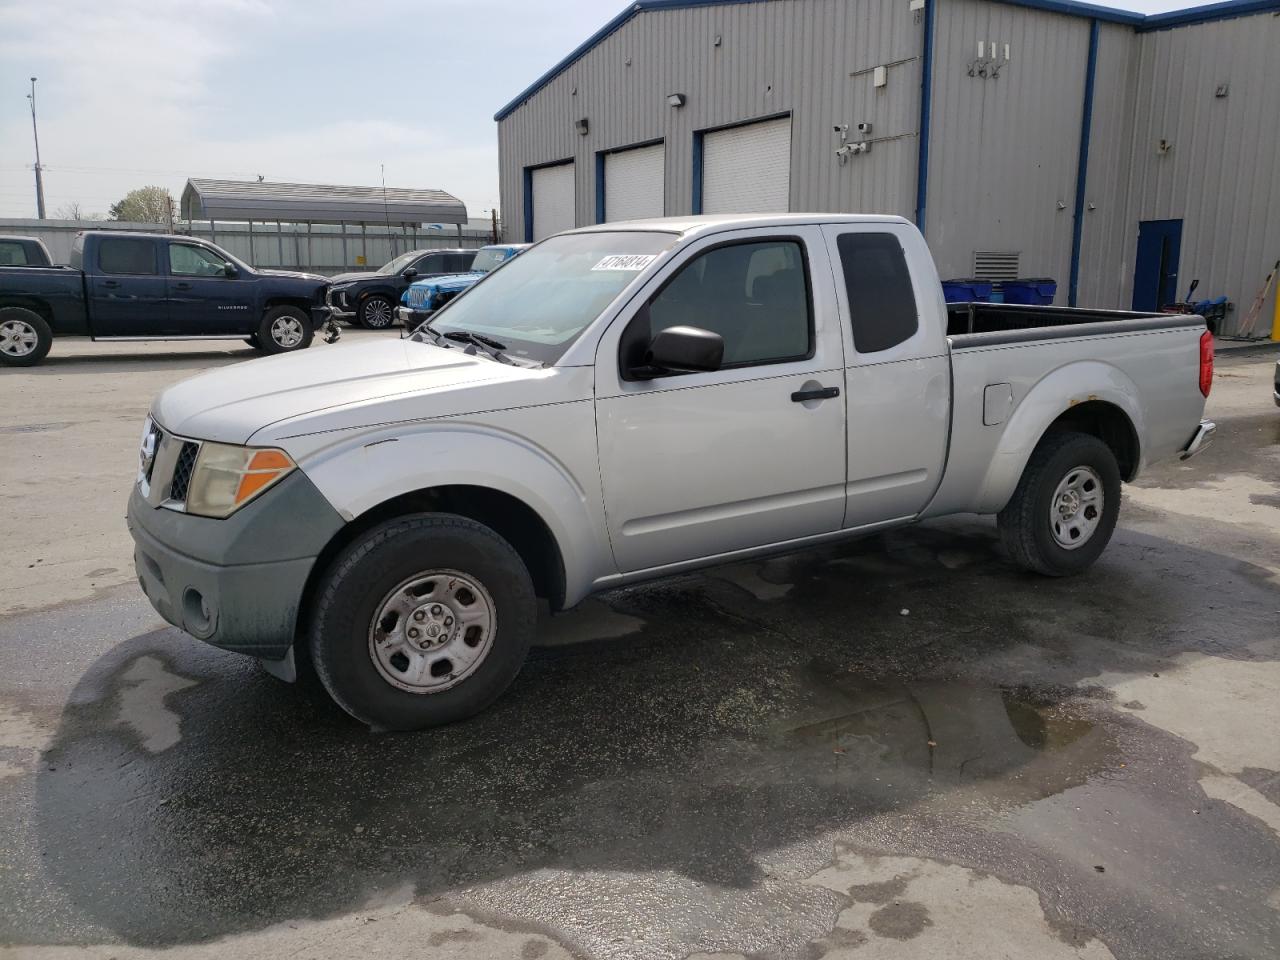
point(626, 261)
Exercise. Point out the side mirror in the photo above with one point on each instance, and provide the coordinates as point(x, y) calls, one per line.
point(685, 350)
point(230, 271)
point(409, 274)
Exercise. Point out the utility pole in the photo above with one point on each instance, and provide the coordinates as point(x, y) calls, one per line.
point(36, 133)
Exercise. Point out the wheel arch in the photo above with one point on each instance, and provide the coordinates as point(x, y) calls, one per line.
point(1100, 400)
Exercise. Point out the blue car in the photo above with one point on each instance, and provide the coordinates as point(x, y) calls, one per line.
point(425, 297)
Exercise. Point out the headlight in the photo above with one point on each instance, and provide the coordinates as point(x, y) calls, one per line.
point(226, 477)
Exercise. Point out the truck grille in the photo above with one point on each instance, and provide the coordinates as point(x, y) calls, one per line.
point(418, 297)
point(166, 465)
point(182, 471)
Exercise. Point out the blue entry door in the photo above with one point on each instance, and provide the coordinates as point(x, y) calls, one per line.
point(1155, 269)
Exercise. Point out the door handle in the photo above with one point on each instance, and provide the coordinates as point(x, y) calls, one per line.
point(182, 286)
point(111, 283)
point(818, 393)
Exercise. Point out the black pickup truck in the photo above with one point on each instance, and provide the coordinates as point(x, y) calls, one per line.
point(140, 286)
point(24, 252)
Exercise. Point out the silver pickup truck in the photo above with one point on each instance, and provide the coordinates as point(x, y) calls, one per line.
point(623, 402)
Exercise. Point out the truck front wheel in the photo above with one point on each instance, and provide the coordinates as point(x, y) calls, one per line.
point(283, 330)
point(1065, 508)
point(25, 338)
point(422, 621)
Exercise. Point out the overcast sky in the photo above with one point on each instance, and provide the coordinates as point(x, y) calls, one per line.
point(134, 92)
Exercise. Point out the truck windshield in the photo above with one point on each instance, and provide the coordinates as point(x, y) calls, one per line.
point(540, 301)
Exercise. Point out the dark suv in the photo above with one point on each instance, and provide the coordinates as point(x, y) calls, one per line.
point(369, 299)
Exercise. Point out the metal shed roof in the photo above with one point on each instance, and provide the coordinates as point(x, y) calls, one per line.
point(1222, 10)
point(317, 203)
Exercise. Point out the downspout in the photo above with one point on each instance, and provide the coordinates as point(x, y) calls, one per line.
point(600, 211)
point(1082, 164)
point(926, 108)
point(528, 205)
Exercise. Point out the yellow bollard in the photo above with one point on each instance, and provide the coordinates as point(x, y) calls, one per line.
point(1275, 318)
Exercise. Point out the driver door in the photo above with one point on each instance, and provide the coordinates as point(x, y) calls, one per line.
point(701, 464)
point(203, 300)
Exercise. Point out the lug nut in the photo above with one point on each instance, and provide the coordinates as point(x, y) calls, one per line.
point(437, 610)
point(419, 615)
point(414, 632)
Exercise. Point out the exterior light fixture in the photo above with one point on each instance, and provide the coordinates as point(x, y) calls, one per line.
point(676, 99)
point(581, 126)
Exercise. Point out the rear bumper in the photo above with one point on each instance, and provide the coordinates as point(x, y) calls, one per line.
point(235, 583)
point(1200, 439)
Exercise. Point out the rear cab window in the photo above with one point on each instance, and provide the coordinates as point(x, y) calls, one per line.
point(882, 303)
point(127, 255)
point(13, 254)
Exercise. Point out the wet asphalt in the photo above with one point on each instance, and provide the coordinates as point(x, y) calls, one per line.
point(681, 766)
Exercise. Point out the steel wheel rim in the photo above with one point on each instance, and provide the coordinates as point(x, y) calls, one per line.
point(1075, 511)
point(287, 331)
point(377, 313)
point(18, 338)
point(432, 631)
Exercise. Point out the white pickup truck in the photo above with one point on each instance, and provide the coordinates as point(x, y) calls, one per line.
point(627, 401)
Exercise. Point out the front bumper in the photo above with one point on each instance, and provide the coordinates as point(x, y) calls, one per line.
point(1200, 439)
point(235, 583)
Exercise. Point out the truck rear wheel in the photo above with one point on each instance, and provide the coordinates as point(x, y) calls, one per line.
point(422, 621)
point(1065, 508)
point(283, 330)
point(25, 337)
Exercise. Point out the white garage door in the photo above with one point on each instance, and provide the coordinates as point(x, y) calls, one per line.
point(553, 200)
point(747, 169)
point(634, 183)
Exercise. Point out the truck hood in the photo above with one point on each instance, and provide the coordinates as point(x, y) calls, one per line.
point(349, 277)
point(294, 274)
point(332, 389)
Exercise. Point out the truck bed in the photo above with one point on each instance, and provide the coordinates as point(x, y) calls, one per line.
point(979, 320)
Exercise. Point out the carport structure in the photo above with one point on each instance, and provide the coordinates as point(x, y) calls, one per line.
point(314, 203)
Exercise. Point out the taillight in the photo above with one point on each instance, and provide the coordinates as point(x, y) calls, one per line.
point(1206, 362)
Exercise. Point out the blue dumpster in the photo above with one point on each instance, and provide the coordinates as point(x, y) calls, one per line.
point(966, 291)
point(1037, 291)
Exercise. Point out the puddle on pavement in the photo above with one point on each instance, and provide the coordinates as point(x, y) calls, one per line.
point(949, 732)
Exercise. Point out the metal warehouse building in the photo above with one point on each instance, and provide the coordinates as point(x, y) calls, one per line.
point(1119, 154)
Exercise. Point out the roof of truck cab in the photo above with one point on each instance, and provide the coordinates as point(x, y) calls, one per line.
point(710, 222)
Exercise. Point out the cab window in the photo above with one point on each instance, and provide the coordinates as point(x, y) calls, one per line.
point(127, 255)
point(755, 294)
point(187, 260)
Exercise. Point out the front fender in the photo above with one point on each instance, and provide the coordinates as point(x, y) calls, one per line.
point(358, 475)
point(1049, 398)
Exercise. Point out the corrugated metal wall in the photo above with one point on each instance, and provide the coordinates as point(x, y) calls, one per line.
point(1222, 175)
point(1107, 238)
point(1002, 172)
point(1002, 161)
point(789, 56)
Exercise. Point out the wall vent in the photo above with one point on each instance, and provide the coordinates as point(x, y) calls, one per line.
point(995, 267)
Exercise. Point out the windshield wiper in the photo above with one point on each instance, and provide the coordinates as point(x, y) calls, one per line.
point(426, 327)
point(494, 347)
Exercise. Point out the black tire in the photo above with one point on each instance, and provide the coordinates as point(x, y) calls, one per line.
point(272, 339)
point(1027, 525)
point(253, 341)
point(371, 570)
point(376, 312)
point(17, 324)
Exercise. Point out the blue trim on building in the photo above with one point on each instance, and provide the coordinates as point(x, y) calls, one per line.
point(1160, 21)
point(600, 185)
point(1207, 14)
point(1082, 163)
point(926, 111)
point(528, 204)
point(695, 202)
